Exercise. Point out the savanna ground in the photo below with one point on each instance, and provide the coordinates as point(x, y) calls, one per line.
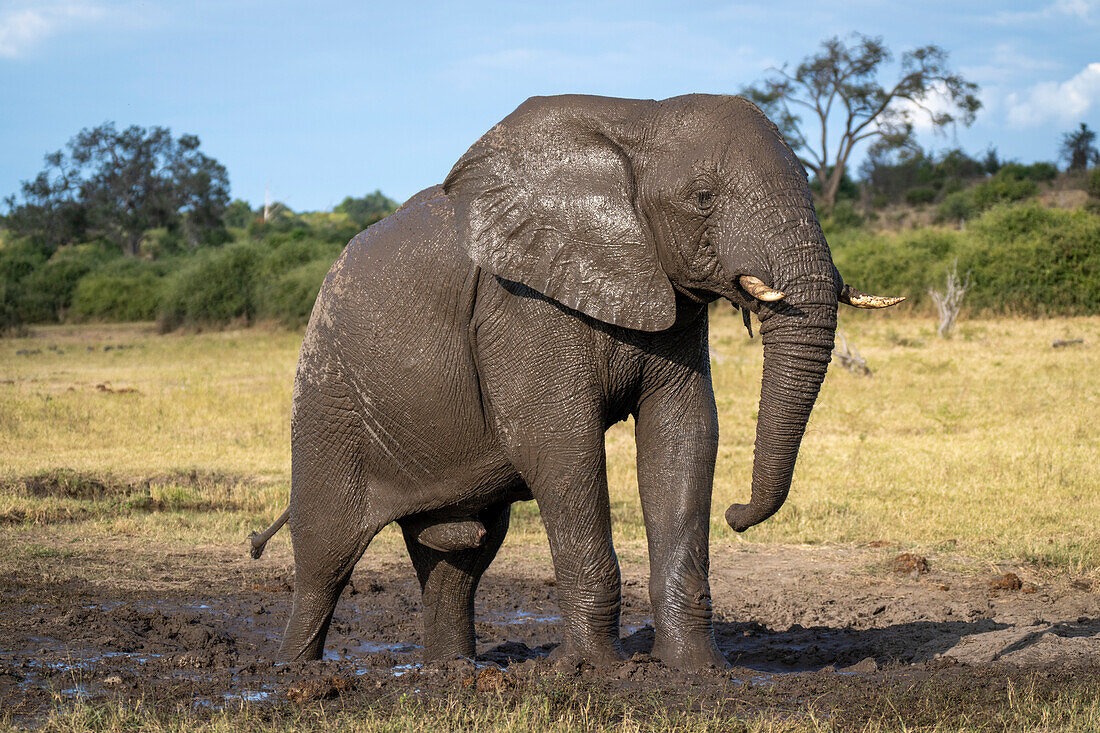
point(935, 567)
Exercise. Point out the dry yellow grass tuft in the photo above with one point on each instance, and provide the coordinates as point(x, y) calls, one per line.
point(988, 444)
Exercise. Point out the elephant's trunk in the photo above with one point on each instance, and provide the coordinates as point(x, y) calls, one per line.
point(798, 341)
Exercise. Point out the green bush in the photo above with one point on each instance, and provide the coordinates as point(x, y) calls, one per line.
point(289, 298)
point(1021, 259)
point(920, 195)
point(274, 278)
point(18, 259)
point(1034, 260)
point(9, 307)
point(843, 216)
point(216, 286)
point(1013, 182)
point(955, 207)
point(284, 252)
point(1039, 172)
point(160, 243)
point(290, 274)
point(1002, 189)
point(895, 264)
point(124, 290)
point(273, 271)
point(1092, 183)
point(47, 292)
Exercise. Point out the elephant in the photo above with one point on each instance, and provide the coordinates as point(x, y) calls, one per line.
point(470, 351)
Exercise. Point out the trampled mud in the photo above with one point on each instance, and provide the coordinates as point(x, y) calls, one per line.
point(793, 623)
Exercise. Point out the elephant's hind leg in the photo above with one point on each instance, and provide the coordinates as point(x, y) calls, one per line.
point(321, 570)
point(448, 581)
point(332, 517)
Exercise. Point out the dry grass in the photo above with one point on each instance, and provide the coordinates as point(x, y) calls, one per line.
point(987, 444)
point(213, 401)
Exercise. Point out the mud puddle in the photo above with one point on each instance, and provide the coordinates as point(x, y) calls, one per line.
point(789, 621)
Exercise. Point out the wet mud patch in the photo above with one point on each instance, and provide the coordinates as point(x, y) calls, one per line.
point(796, 633)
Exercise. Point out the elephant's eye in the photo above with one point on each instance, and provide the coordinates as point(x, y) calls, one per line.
point(705, 198)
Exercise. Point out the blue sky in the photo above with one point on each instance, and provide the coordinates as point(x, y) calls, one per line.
point(323, 99)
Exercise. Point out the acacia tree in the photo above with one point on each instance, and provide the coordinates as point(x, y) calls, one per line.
point(1078, 147)
point(839, 87)
point(117, 185)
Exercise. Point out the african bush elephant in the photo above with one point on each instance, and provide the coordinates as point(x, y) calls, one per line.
point(470, 351)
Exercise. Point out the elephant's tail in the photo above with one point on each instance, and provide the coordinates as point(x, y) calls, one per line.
point(259, 539)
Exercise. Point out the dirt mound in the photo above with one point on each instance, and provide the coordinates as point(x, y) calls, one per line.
point(908, 563)
point(70, 485)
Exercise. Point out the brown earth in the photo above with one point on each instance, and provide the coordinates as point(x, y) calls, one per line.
point(834, 626)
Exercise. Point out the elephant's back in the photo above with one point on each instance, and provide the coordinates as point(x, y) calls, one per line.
point(398, 283)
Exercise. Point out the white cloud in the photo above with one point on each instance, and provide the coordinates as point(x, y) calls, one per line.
point(1065, 101)
point(611, 56)
point(1083, 10)
point(26, 23)
point(1008, 63)
point(937, 101)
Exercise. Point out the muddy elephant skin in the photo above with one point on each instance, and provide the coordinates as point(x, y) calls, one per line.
point(471, 350)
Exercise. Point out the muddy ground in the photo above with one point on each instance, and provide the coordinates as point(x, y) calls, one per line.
point(799, 626)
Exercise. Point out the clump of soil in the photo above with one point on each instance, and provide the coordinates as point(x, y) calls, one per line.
point(1011, 582)
point(908, 563)
point(1008, 581)
point(106, 387)
point(324, 688)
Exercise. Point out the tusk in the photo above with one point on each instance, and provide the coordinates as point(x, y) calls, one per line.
point(851, 296)
point(757, 289)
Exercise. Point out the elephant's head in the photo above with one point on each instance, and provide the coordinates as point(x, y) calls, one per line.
point(613, 206)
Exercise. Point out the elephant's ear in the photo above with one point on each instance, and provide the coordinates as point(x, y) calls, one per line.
point(547, 198)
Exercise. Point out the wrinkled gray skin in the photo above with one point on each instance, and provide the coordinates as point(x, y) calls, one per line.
point(470, 351)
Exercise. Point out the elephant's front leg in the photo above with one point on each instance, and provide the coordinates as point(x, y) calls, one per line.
point(571, 490)
point(545, 397)
point(677, 440)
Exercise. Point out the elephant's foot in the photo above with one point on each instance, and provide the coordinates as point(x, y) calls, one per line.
point(601, 656)
point(605, 657)
point(688, 656)
point(452, 535)
point(440, 650)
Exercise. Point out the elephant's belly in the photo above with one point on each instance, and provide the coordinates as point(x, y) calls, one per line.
point(461, 488)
